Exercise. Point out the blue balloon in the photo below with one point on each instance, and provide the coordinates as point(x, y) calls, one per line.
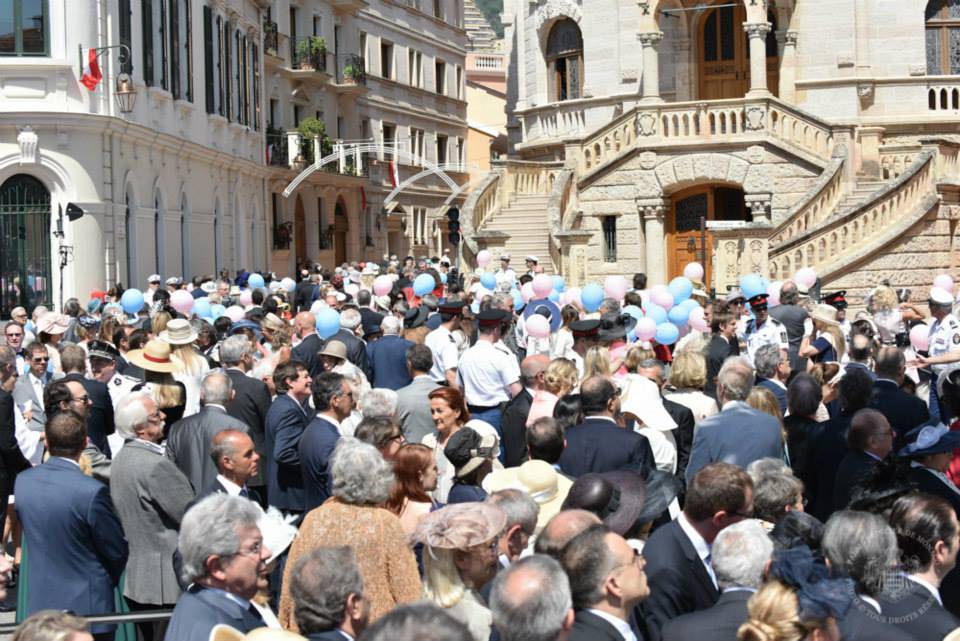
point(201, 307)
point(634, 311)
point(690, 304)
point(255, 281)
point(423, 284)
point(218, 310)
point(752, 285)
point(681, 288)
point(667, 334)
point(558, 283)
point(488, 280)
point(328, 322)
point(591, 296)
point(554, 296)
point(678, 315)
point(208, 320)
point(517, 299)
point(132, 301)
point(443, 278)
point(657, 313)
point(632, 336)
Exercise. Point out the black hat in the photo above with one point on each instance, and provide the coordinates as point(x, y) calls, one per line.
point(102, 349)
point(466, 450)
point(836, 299)
point(622, 499)
point(491, 317)
point(759, 301)
point(415, 317)
point(371, 324)
point(451, 307)
point(585, 328)
point(616, 326)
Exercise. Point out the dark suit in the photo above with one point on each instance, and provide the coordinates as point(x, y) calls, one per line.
point(918, 613)
point(717, 623)
point(356, 351)
point(251, 401)
point(12, 461)
point(826, 448)
point(513, 426)
point(863, 623)
point(778, 392)
point(99, 414)
point(286, 421)
point(855, 466)
point(303, 295)
point(190, 440)
point(200, 609)
point(678, 580)
point(792, 317)
point(328, 635)
point(799, 430)
point(902, 410)
point(306, 353)
point(316, 449)
point(589, 627)
point(718, 350)
point(600, 445)
point(738, 435)
point(388, 362)
point(75, 540)
point(683, 434)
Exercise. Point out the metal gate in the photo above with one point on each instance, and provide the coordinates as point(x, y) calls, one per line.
point(25, 263)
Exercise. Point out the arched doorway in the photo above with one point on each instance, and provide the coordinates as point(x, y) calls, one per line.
point(341, 225)
point(724, 54)
point(25, 263)
point(686, 243)
point(565, 60)
point(299, 232)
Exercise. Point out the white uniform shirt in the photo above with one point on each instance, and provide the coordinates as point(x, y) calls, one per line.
point(506, 276)
point(944, 338)
point(772, 332)
point(445, 353)
point(120, 386)
point(487, 370)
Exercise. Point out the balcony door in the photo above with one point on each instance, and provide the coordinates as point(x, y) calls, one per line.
point(725, 54)
point(685, 243)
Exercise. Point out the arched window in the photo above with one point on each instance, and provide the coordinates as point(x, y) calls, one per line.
point(565, 60)
point(943, 37)
point(25, 261)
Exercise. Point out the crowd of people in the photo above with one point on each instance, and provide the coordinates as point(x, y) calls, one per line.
point(395, 451)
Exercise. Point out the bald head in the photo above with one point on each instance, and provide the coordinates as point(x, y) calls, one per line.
point(305, 323)
point(891, 364)
point(532, 369)
point(562, 528)
point(531, 600)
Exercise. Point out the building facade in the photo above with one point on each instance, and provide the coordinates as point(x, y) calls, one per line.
point(757, 135)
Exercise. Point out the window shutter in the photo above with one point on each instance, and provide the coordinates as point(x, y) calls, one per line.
point(188, 49)
point(255, 62)
point(226, 70)
point(146, 22)
point(126, 35)
point(174, 50)
point(208, 57)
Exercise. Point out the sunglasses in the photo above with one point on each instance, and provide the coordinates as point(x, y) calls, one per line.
point(41, 359)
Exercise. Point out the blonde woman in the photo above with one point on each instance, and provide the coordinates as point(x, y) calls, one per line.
point(889, 316)
point(158, 367)
point(159, 323)
point(688, 375)
point(191, 366)
point(559, 379)
point(278, 340)
point(460, 558)
point(596, 363)
point(822, 340)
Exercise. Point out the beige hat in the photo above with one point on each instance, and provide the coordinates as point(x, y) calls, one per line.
point(460, 526)
point(154, 357)
point(273, 322)
point(53, 323)
point(539, 479)
point(178, 332)
point(336, 349)
point(825, 314)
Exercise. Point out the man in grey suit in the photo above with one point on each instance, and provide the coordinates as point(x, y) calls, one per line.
point(150, 496)
point(28, 392)
point(413, 403)
point(188, 445)
point(739, 434)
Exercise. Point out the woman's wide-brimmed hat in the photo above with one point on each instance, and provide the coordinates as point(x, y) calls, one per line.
point(334, 349)
point(53, 323)
point(825, 314)
point(537, 478)
point(932, 439)
point(615, 327)
point(154, 357)
point(178, 332)
point(460, 526)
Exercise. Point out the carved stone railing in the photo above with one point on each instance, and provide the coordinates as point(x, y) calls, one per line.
point(527, 178)
point(554, 122)
point(562, 199)
point(829, 247)
point(479, 207)
point(894, 159)
point(819, 202)
point(610, 142)
point(943, 96)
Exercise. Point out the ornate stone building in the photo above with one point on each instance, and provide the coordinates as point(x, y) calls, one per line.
point(751, 135)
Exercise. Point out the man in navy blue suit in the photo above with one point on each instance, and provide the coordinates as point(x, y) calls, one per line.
point(75, 541)
point(324, 581)
point(223, 558)
point(286, 419)
point(388, 356)
point(334, 401)
point(773, 371)
point(599, 444)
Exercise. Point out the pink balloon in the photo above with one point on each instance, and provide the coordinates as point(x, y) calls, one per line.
point(353, 289)
point(182, 301)
point(484, 258)
point(944, 281)
point(697, 321)
point(774, 292)
point(806, 277)
point(234, 313)
point(537, 326)
point(920, 337)
point(527, 292)
point(615, 287)
point(660, 295)
point(246, 297)
point(571, 297)
point(382, 285)
point(542, 285)
point(693, 271)
point(646, 328)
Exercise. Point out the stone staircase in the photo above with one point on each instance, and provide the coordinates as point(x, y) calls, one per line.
point(523, 221)
point(861, 192)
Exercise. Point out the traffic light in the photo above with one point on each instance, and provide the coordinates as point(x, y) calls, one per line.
point(453, 225)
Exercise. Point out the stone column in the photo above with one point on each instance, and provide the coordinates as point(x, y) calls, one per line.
point(788, 66)
point(759, 206)
point(656, 268)
point(681, 62)
point(758, 57)
point(651, 67)
point(870, 140)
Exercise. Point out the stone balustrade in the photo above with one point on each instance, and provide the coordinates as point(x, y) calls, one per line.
point(813, 208)
point(894, 160)
point(479, 207)
point(943, 96)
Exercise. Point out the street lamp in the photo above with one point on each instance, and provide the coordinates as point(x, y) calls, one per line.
point(125, 93)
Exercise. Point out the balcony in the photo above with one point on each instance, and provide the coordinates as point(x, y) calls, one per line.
point(308, 62)
point(349, 6)
point(270, 38)
point(276, 141)
point(351, 78)
point(291, 150)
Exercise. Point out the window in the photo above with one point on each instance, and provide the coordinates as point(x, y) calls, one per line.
point(610, 239)
point(158, 233)
point(126, 33)
point(441, 149)
point(419, 226)
point(296, 116)
point(317, 25)
point(185, 235)
point(415, 67)
point(460, 151)
point(293, 34)
point(340, 127)
point(272, 114)
point(227, 67)
point(255, 65)
point(943, 37)
point(181, 46)
point(565, 60)
point(209, 66)
point(438, 8)
point(416, 145)
point(440, 71)
point(458, 90)
point(322, 226)
point(363, 49)
point(24, 28)
point(386, 59)
point(389, 141)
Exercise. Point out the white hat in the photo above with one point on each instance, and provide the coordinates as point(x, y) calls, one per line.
point(504, 256)
point(532, 259)
point(825, 314)
point(153, 278)
point(208, 286)
point(641, 397)
point(173, 280)
point(940, 296)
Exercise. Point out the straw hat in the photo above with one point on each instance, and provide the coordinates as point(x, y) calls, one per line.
point(539, 479)
point(154, 357)
point(273, 323)
point(825, 314)
point(335, 349)
point(53, 323)
point(178, 332)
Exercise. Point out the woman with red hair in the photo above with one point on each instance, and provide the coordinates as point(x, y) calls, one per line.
point(415, 469)
point(450, 413)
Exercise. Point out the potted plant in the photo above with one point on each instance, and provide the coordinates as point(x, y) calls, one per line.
point(312, 53)
point(352, 73)
point(311, 128)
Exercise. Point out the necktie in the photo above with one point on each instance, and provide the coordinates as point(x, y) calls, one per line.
point(255, 613)
point(244, 493)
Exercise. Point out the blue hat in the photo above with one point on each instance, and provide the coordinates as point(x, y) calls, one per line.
point(544, 307)
point(93, 305)
point(932, 439)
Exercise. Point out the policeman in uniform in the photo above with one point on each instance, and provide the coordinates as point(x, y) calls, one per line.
point(505, 274)
point(444, 346)
point(944, 347)
point(735, 301)
point(586, 334)
point(103, 359)
point(488, 371)
point(762, 330)
point(838, 300)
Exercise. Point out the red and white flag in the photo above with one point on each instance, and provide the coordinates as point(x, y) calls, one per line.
point(394, 175)
point(91, 71)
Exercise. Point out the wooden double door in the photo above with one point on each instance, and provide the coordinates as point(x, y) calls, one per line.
point(688, 208)
point(725, 54)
